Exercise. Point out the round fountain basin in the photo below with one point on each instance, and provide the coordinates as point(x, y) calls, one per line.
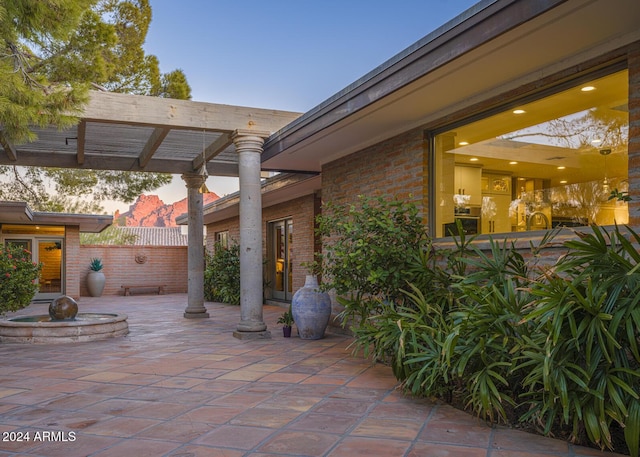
point(84, 327)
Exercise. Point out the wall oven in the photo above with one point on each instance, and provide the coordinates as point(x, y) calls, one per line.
point(469, 219)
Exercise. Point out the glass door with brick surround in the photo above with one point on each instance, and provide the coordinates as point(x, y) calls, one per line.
point(48, 251)
point(280, 246)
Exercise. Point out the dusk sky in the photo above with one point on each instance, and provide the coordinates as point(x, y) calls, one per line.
point(282, 54)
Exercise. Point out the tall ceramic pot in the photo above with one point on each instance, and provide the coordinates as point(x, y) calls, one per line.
point(311, 309)
point(95, 283)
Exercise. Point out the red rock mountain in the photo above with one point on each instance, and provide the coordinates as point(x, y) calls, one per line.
point(150, 211)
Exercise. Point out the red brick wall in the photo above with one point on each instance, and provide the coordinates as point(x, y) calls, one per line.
point(395, 168)
point(634, 134)
point(72, 271)
point(164, 265)
point(302, 211)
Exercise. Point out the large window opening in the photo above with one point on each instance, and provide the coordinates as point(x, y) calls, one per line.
point(561, 160)
point(45, 244)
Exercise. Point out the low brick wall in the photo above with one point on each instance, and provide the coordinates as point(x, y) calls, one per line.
point(136, 265)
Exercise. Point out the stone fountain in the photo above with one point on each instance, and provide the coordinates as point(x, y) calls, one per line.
point(63, 325)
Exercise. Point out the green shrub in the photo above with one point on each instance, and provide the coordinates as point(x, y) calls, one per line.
point(18, 276)
point(222, 275)
point(556, 348)
point(368, 254)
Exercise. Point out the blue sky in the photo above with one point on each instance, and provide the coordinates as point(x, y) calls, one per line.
point(286, 54)
point(282, 54)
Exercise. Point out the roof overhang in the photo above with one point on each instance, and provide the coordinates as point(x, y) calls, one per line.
point(20, 213)
point(494, 47)
point(275, 190)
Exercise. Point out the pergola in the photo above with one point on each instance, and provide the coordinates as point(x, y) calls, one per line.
point(148, 134)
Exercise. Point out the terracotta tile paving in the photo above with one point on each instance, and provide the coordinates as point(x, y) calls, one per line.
point(180, 387)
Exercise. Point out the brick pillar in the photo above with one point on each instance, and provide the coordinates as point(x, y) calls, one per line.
point(72, 269)
point(634, 134)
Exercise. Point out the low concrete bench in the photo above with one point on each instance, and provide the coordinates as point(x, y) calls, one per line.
point(127, 288)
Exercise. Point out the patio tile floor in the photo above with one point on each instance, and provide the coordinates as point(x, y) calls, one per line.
point(186, 387)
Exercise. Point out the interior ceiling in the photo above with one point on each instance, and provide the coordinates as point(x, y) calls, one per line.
point(496, 141)
point(560, 38)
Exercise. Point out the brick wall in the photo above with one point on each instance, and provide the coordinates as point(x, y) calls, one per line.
point(164, 265)
point(72, 261)
point(302, 211)
point(634, 134)
point(396, 167)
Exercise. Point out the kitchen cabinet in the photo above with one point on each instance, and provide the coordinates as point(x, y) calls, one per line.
point(495, 213)
point(496, 201)
point(468, 182)
point(496, 184)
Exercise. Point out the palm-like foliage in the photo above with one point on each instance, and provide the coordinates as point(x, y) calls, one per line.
point(587, 316)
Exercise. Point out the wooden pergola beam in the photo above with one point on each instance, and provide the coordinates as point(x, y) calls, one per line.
point(9, 148)
point(109, 107)
point(152, 145)
point(82, 132)
point(215, 148)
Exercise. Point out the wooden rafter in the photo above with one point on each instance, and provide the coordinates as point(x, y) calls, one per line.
point(152, 145)
point(82, 136)
point(215, 148)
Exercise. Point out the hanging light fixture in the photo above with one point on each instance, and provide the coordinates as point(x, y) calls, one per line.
point(203, 169)
point(605, 182)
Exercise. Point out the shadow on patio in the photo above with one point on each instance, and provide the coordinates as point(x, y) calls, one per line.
point(187, 387)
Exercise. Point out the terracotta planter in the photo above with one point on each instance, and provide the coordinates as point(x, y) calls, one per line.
point(311, 310)
point(95, 283)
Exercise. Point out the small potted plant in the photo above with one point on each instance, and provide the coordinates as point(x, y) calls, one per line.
point(287, 321)
point(95, 278)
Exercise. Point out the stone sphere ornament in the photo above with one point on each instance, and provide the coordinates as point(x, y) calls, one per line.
point(63, 308)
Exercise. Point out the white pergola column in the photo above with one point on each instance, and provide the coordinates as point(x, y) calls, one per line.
point(249, 148)
point(195, 250)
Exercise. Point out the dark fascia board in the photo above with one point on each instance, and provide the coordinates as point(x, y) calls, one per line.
point(479, 24)
point(20, 213)
point(285, 186)
point(15, 212)
point(88, 223)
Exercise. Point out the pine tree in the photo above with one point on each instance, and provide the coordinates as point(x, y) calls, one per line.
point(51, 53)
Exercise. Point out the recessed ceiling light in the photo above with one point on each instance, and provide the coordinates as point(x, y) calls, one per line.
point(564, 181)
point(463, 143)
point(596, 141)
point(519, 111)
point(587, 88)
point(513, 163)
point(473, 159)
point(561, 168)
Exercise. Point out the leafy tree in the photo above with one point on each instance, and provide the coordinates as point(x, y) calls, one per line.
point(51, 53)
point(113, 235)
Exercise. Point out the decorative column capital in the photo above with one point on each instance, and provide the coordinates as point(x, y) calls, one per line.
point(249, 140)
point(194, 180)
